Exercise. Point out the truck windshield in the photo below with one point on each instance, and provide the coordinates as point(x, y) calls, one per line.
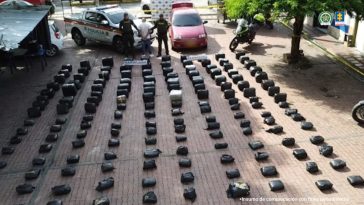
point(187, 19)
point(117, 15)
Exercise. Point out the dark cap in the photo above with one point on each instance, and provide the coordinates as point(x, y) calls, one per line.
point(126, 14)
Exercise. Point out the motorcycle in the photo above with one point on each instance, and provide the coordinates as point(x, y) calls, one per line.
point(246, 37)
point(358, 112)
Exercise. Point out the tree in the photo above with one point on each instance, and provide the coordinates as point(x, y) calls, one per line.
point(236, 8)
point(293, 9)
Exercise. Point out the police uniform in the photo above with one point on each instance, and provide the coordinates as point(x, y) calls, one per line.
point(162, 28)
point(128, 34)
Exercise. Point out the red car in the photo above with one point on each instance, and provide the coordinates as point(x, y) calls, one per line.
point(187, 29)
point(34, 2)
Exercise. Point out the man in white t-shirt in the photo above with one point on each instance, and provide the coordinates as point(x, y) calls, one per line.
point(145, 31)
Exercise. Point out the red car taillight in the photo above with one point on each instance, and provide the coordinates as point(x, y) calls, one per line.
point(57, 35)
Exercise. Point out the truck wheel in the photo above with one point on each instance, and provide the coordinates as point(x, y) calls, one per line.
point(118, 44)
point(52, 51)
point(78, 38)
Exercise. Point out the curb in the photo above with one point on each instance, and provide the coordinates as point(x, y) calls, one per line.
point(332, 55)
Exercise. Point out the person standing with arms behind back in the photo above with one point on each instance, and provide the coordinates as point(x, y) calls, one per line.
point(126, 29)
point(162, 28)
point(145, 31)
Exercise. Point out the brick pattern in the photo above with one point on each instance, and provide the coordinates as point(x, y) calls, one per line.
point(210, 178)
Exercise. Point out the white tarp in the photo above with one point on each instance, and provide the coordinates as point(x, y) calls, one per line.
point(15, 25)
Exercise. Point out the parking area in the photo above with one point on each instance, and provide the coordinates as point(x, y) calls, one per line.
point(321, 91)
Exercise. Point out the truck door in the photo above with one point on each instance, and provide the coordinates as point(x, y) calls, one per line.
point(94, 30)
point(105, 28)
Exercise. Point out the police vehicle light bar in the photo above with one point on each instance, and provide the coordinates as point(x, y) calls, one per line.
point(100, 8)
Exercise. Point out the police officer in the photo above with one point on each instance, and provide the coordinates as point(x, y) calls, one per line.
point(162, 28)
point(128, 34)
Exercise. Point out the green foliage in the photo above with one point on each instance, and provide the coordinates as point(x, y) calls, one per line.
point(243, 8)
point(259, 17)
point(353, 7)
point(292, 8)
point(235, 8)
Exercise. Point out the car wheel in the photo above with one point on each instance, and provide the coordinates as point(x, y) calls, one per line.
point(118, 44)
point(78, 38)
point(52, 51)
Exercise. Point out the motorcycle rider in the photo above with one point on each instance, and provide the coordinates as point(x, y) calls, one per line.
point(245, 29)
point(242, 28)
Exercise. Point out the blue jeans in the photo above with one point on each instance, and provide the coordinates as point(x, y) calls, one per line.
point(146, 46)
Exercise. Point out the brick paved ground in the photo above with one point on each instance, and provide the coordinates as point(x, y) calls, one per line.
point(323, 93)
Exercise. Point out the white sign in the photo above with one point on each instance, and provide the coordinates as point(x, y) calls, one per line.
point(339, 18)
point(325, 19)
point(197, 57)
point(136, 62)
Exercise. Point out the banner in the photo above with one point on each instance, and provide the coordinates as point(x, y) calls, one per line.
point(136, 62)
point(197, 57)
point(340, 18)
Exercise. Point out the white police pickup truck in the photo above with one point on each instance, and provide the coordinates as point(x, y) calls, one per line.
point(101, 24)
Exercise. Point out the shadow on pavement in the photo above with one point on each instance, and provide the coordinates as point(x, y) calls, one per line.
point(331, 191)
point(214, 31)
point(321, 81)
point(257, 48)
point(274, 33)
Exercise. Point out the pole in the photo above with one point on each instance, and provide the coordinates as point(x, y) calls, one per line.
point(71, 6)
point(355, 32)
point(62, 8)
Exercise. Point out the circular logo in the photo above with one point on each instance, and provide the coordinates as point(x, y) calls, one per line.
point(325, 19)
